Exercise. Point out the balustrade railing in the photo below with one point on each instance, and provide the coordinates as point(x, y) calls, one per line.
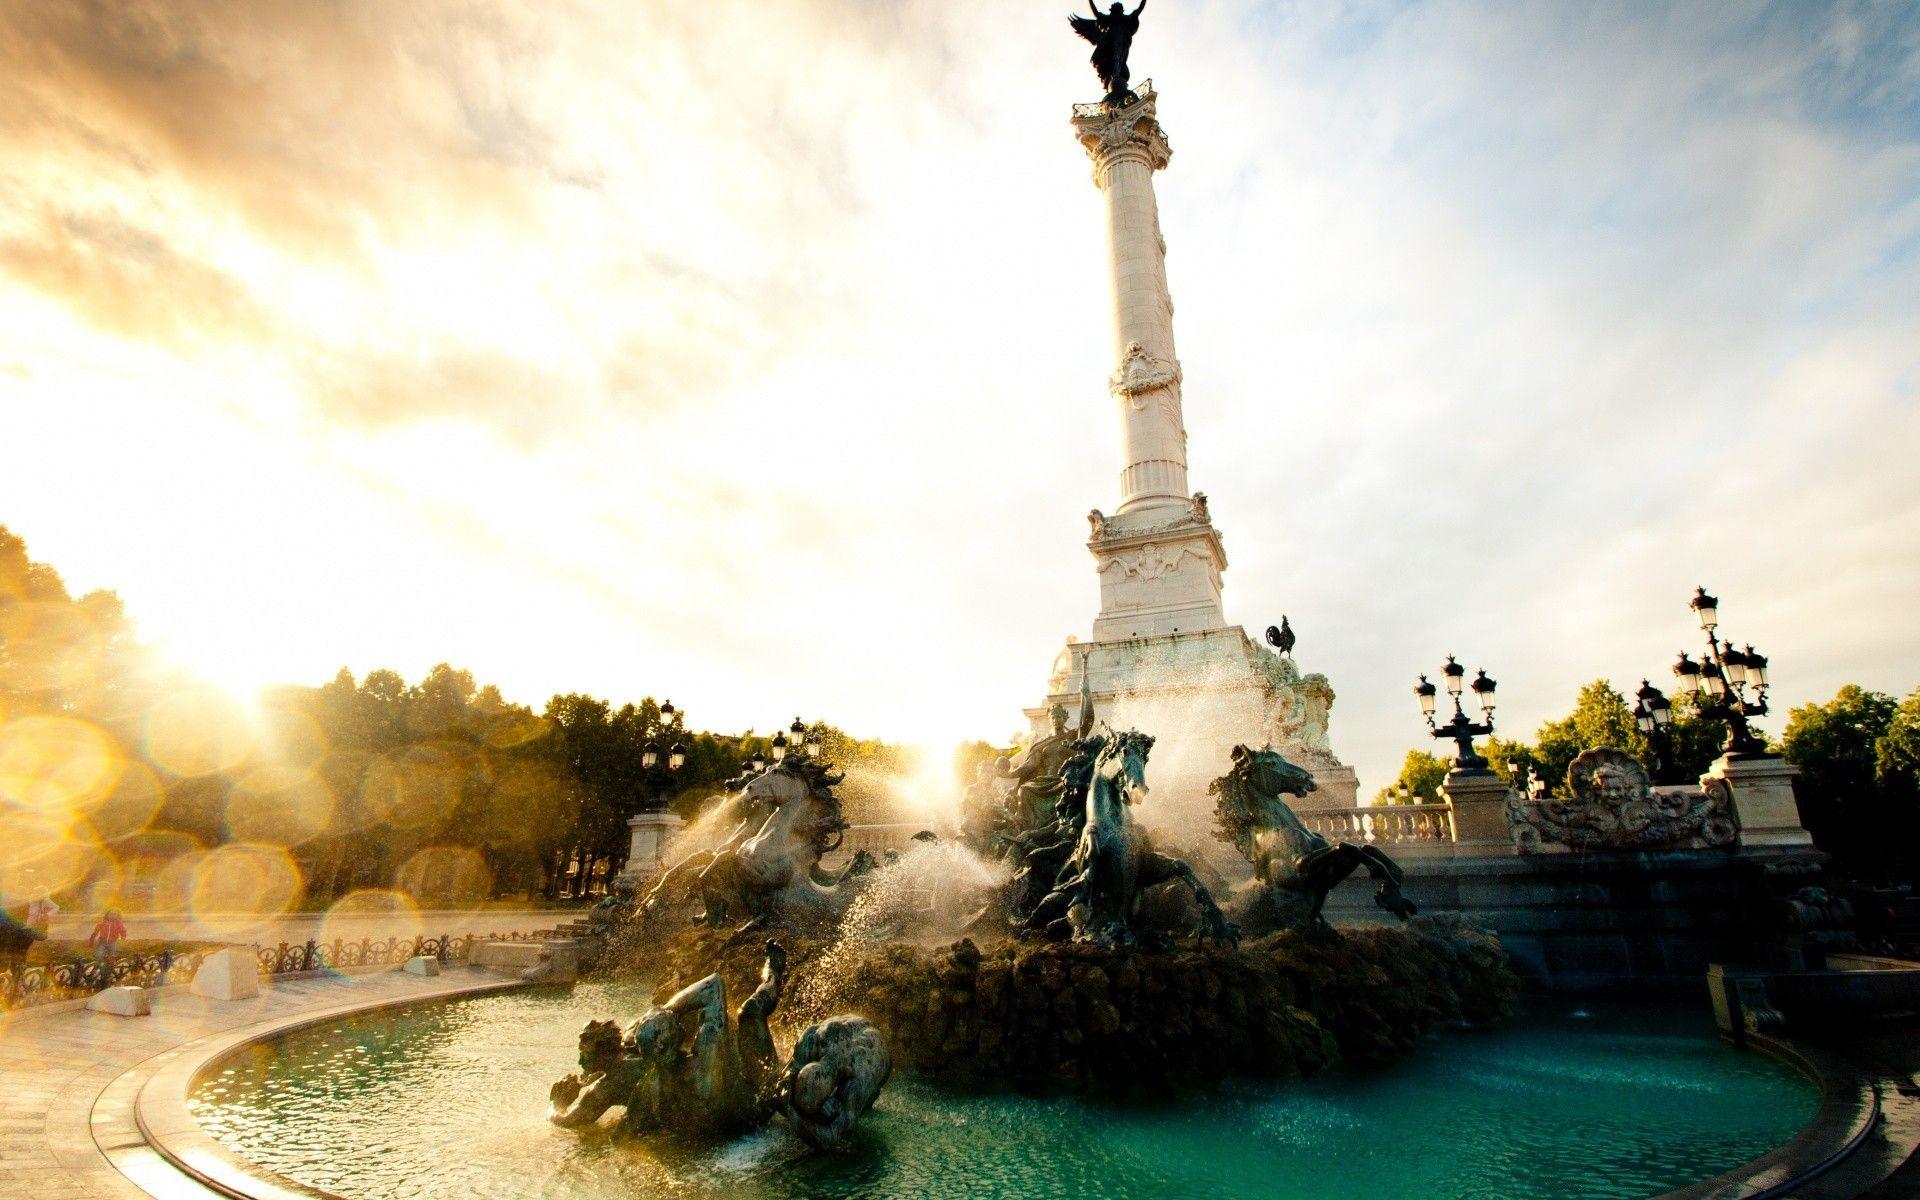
point(874, 839)
point(1383, 824)
point(22, 985)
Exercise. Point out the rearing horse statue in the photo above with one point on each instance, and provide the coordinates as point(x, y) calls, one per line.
point(1294, 868)
point(771, 872)
point(1096, 896)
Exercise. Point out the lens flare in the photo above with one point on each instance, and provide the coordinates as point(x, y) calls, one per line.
point(197, 732)
point(374, 913)
point(515, 729)
point(50, 647)
point(413, 788)
point(281, 805)
point(446, 875)
point(244, 879)
point(56, 764)
point(173, 880)
point(129, 806)
point(42, 853)
point(150, 877)
point(294, 738)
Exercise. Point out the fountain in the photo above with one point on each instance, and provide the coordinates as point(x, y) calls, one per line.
point(1066, 951)
point(1060, 1004)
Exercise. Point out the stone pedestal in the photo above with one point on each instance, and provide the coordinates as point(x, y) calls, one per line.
point(422, 964)
point(1763, 797)
point(652, 834)
point(1479, 800)
point(227, 975)
point(545, 960)
point(1199, 694)
point(122, 1002)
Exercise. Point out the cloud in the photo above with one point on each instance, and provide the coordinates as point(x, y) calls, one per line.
point(757, 352)
point(128, 281)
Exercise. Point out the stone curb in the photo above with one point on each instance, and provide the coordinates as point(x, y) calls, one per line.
point(147, 1131)
point(1848, 1113)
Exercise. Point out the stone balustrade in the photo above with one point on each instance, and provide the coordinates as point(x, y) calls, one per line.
point(1383, 825)
point(874, 839)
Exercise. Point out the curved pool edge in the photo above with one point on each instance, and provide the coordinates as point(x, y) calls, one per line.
point(1849, 1114)
point(152, 1098)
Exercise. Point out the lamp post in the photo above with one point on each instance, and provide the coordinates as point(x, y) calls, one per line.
point(1721, 679)
point(650, 762)
point(1653, 713)
point(802, 740)
point(1460, 729)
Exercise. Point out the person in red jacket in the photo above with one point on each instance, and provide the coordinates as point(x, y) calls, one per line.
point(109, 932)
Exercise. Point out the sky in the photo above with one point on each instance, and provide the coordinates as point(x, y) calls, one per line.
point(752, 353)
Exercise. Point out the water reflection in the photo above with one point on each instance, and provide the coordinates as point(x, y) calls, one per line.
point(450, 1102)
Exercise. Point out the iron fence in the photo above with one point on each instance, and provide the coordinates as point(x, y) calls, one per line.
point(23, 986)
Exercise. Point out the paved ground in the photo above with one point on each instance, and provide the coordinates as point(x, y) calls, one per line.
point(1888, 1164)
point(65, 1108)
point(240, 927)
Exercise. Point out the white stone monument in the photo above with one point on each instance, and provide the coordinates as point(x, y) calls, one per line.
point(651, 833)
point(1163, 657)
point(230, 974)
point(122, 1001)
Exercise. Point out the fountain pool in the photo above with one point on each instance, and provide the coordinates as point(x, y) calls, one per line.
point(448, 1101)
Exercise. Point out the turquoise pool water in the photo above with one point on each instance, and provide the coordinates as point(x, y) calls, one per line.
point(449, 1101)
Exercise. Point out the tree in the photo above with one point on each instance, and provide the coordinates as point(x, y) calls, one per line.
point(1421, 775)
point(1837, 746)
point(1600, 717)
point(1897, 775)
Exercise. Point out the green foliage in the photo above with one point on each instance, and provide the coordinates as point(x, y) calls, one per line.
point(1602, 716)
point(1838, 747)
point(441, 786)
point(1421, 775)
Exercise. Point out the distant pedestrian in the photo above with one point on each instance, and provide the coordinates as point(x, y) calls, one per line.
point(16, 938)
point(110, 932)
point(40, 914)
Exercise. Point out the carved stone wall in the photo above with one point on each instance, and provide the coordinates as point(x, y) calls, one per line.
point(1612, 805)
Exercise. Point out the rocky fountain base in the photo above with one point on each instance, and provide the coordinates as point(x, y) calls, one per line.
point(1074, 1016)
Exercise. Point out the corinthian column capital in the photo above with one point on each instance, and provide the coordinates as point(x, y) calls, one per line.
point(1129, 133)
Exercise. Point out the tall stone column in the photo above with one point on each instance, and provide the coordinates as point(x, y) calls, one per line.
point(1127, 146)
point(1160, 558)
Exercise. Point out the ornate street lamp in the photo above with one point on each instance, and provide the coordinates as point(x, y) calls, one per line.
point(1460, 729)
point(1729, 683)
point(1653, 713)
point(779, 747)
point(759, 762)
point(650, 755)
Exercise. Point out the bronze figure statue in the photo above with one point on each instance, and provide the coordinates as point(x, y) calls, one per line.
point(1097, 892)
point(1280, 636)
point(683, 1068)
point(1293, 867)
point(767, 867)
point(1111, 33)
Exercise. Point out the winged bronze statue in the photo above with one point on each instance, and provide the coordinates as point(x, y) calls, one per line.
point(1280, 636)
point(1111, 33)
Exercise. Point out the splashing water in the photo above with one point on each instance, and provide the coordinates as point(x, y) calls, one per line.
point(928, 896)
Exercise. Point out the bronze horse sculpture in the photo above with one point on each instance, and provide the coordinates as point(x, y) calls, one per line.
point(767, 865)
point(1096, 894)
point(1294, 868)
